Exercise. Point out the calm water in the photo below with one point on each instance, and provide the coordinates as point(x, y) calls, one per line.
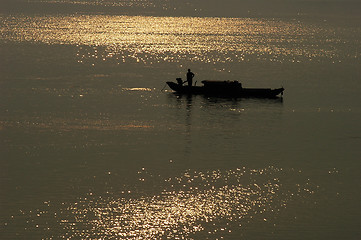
point(92, 146)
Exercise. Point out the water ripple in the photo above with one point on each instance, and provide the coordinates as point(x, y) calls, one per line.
point(149, 40)
point(195, 205)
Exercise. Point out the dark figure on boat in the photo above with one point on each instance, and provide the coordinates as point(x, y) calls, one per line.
point(180, 81)
point(190, 77)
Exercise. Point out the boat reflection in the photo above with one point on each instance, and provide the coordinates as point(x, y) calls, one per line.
point(212, 100)
point(187, 122)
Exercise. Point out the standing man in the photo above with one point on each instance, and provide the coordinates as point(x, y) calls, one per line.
point(190, 76)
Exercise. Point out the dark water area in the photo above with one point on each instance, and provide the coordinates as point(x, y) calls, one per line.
point(93, 145)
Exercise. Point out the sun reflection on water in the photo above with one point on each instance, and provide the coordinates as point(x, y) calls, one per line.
point(195, 205)
point(149, 40)
point(108, 3)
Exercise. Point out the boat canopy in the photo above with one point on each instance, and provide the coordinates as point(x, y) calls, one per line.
point(213, 83)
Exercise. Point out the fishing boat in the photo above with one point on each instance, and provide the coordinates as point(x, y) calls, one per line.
point(225, 89)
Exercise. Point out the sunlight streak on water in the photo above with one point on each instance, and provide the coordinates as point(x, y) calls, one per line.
point(212, 203)
point(76, 124)
point(152, 39)
point(111, 3)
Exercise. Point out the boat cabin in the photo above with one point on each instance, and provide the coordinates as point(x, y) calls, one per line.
point(221, 84)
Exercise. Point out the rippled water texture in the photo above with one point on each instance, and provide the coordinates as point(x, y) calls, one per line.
point(171, 39)
point(92, 147)
point(209, 204)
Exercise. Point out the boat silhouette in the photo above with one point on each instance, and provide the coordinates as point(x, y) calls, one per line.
point(225, 89)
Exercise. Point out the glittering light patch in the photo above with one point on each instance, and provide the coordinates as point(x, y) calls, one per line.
point(138, 89)
point(210, 203)
point(77, 124)
point(150, 40)
point(111, 3)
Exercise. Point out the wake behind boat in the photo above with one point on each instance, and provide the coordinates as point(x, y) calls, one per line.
point(225, 89)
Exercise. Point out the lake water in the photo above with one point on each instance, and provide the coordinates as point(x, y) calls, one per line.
point(93, 145)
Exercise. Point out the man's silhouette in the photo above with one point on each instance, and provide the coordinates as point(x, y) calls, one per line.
point(190, 76)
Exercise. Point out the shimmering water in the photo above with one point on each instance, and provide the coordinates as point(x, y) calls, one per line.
point(94, 147)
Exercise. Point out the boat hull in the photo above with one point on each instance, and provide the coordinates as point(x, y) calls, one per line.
point(227, 90)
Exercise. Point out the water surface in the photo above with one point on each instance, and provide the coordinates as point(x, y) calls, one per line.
point(92, 147)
